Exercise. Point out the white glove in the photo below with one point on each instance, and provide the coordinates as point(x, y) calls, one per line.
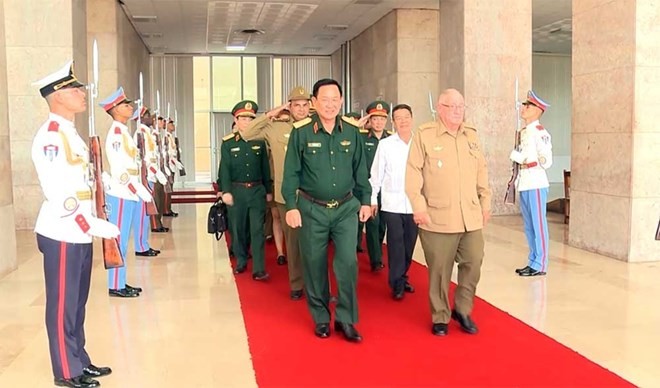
point(106, 179)
point(517, 157)
point(101, 228)
point(172, 165)
point(161, 177)
point(142, 192)
point(178, 164)
point(167, 170)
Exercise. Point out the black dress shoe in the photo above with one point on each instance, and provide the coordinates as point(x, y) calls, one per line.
point(519, 270)
point(171, 214)
point(281, 260)
point(467, 324)
point(123, 293)
point(439, 329)
point(398, 294)
point(296, 294)
point(322, 330)
point(149, 253)
point(134, 289)
point(160, 230)
point(349, 331)
point(409, 288)
point(240, 269)
point(156, 251)
point(529, 271)
point(377, 267)
point(81, 381)
point(96, 371)
point(260, 276)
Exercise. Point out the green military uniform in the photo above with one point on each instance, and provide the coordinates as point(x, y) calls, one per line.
point(375, 225)
point(245, 173)
point(325, 178)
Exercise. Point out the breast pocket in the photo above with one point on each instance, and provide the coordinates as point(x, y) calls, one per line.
point(314, 149)
point(257, 150)
point(438, 209)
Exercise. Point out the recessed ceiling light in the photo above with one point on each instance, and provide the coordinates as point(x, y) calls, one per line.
point(336, 27)
point(144, 19)
point(252, 31)
point(235, 48)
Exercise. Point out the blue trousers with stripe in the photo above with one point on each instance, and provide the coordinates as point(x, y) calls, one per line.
point(533, 208)
point(141, 227)
point(120, 213)
point(67, 271)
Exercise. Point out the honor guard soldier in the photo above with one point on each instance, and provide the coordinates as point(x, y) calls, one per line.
point(534, 157)
point(141, 220)
point(377, 112)
point(173, 164)
point(124, 187)
point(275, 127)
point(388, 196)
point(245, 184)
point(159, 188)
point(65, 226)
point(447, 184)
point(325, 186)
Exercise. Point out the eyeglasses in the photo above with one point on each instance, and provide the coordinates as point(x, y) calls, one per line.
point(454, 107)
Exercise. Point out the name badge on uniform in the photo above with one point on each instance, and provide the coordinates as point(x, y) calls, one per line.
point(314, 145)
point(116, 145)
point(235, 149)
point(370, 143)
point(437, 148)
point(51, 151)
point(345, 143)
point(256, 147)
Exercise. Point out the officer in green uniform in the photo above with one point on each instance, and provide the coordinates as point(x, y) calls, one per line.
point(325, 186)
point(246, 186)
point(377, 112)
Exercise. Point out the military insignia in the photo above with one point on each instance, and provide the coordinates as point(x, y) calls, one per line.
point(235, 149)
point(542, 160)
point(473, 146)
point(302, 122)
point(545, 139)
point(316, 127)
point(51, 151)
point(540, 127)
point(439, 163)
point(53, 126)
point(256, 147)
point(116, 145)
point(314, 145)
point(301, 91)
point(437, 148)
point(248, 105)
point(285, 147)
point(124, 178)
point(369, 143)
point(379, 106)
point(70, 204)
point(345, 143)
point(286, 135)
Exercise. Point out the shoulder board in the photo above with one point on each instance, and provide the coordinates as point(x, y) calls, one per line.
point(227, 137)
point(302, 122)
point(390, 132)
point(53, 126)
point(364, 131)
point(350, 120)
point(469, 126)
point(117, 131)
point(429, 125)
point(540, 127)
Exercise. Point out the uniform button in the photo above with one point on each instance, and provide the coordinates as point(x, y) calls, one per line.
point(332, 152)
point(247, 164)
point(334, 184)
point(333, 167)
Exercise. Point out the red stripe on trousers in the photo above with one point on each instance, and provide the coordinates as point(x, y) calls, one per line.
point(544, 261)
point(142, 213)
point(61, 338)
point(116, 270)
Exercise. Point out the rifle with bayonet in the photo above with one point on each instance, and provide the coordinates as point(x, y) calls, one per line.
point(510, 196)
point(151, 205)
point(112, 256)
point(182, 171)
point(431, 106)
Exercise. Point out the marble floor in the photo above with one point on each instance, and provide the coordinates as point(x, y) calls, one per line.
point(186, 330)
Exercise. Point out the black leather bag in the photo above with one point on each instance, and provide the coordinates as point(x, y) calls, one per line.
point(217, 219)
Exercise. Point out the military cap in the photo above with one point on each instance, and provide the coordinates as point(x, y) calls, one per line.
point(533, 99)
point(378, 108)
point(353, 115)
point(298, 93)
point(140, 112)
point(245, 108)
point(61, 79)
point(116, 98)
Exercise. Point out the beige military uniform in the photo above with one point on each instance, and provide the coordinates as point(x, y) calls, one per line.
point(447, 177)
point(276, 134)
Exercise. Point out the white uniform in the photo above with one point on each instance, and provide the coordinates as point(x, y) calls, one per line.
point(122, 154)
point(61, 159)
point(150, 155)
point(534, 156)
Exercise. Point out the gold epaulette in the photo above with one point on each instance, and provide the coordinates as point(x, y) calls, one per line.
point(364, 131)
point(350, 120)
point(469, 126)
point(390, 132)
point(231, 135)
point(429, 125)
point(302, 122)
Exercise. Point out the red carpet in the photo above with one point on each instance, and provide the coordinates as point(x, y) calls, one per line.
point(398, 349)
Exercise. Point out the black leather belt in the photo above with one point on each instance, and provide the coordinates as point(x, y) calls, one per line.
point(247, 184)
point(331, 204)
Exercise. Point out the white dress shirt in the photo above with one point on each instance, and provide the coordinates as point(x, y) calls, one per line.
point(388, 175)
point(534, 156)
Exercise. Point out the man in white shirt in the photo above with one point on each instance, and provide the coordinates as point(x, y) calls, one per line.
point(534, 157)
point(388, 178)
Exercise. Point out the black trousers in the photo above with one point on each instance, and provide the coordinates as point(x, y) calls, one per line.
point(67, 271)
point(401, 239)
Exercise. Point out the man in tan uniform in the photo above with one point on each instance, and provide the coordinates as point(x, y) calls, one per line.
point(447, 184)
point(275, 127)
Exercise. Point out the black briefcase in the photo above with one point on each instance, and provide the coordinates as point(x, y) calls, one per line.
point(217, 219)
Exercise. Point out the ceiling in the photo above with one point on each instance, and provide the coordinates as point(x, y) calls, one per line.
point(296, 27)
